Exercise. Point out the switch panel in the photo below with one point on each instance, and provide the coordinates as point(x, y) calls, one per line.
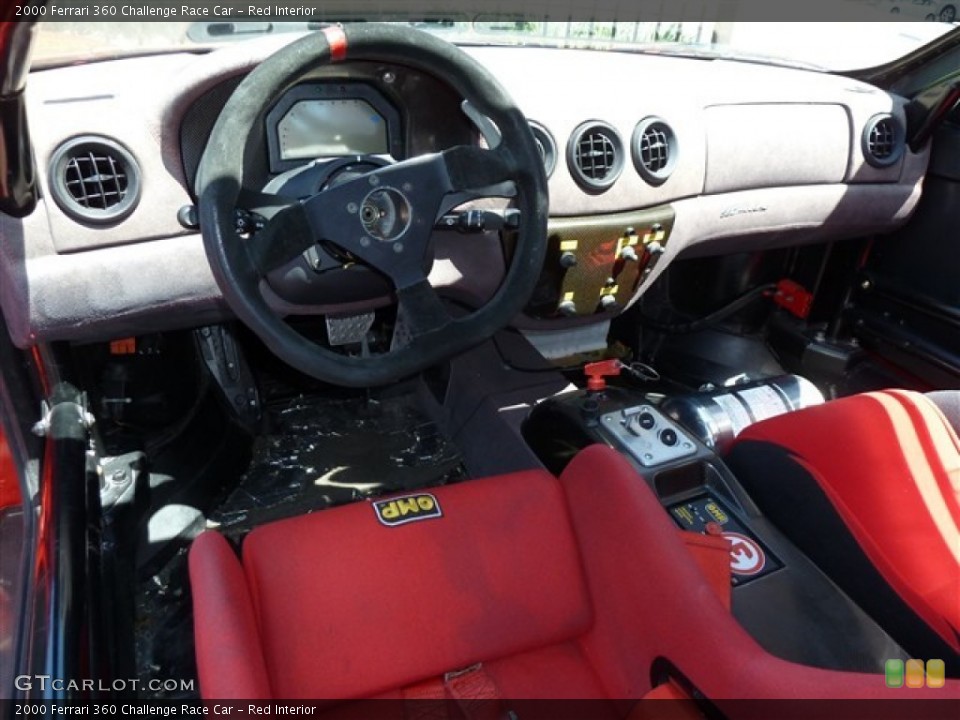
point(597, 265)
point(647, 435)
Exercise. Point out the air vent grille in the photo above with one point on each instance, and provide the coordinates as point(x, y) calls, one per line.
point(94, 180)
point(883, 140)
point(595, 155)
point(654, 150)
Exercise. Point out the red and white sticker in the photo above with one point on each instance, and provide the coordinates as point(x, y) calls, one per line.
point(746, 557)
point(337, 40)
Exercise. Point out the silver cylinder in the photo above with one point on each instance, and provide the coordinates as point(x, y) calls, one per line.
point(716, 417)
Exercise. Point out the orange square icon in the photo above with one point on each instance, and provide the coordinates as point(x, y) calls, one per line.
point(914, 674)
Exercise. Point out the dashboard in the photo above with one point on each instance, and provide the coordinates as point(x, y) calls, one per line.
point(649, 158)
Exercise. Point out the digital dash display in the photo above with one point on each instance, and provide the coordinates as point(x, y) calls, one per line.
point(331, 128)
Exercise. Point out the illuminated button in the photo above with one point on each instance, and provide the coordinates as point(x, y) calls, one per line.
point(893, 673)
point(936, 674)
point(914, 674)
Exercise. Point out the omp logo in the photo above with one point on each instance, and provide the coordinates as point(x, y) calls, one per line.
point(406, 509)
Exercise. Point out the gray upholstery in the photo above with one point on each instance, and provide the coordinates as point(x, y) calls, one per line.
point(949, 403)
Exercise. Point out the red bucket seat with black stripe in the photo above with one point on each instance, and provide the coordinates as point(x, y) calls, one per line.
point(869, 487)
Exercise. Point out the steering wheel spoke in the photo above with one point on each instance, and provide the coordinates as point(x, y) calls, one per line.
point(286, 233)
point(474, 168)
point(420, 312)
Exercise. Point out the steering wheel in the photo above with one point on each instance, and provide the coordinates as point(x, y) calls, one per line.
point(346, 215)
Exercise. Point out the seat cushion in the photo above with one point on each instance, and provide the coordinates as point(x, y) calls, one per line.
point(869, 487)
point(381, 606)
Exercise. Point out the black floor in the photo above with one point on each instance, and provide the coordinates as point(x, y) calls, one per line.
point(316, 453)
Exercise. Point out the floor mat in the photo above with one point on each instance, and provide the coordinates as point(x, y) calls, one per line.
point(321, 452)
point(316, 453)
point(164, 634)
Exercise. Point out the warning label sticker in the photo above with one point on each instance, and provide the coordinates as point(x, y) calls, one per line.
point(739, 417)
point(764, 402)
point(707, 515)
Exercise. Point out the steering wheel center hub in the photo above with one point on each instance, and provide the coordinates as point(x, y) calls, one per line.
point(385, 214)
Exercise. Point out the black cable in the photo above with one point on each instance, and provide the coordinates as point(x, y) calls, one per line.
point(693, 325)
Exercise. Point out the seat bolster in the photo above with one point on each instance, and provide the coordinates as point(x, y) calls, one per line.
point(229, 656)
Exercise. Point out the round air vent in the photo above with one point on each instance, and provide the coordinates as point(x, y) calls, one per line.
point(94, 180)
point(882, 140)
point(595, 156)
point(546, 146)
point(654, 150)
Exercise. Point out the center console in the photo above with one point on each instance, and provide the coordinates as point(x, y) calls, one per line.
point(790, 607)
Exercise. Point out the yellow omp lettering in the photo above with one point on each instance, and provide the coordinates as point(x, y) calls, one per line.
point(716, 513)
point(407, 505)
point(401, 510)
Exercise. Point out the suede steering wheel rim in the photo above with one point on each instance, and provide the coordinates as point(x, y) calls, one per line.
point(419, 185)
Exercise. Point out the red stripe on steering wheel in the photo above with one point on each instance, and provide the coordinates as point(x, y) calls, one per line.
point(337, 40)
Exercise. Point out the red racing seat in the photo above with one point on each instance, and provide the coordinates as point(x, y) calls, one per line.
point(869, 487)
point(569, 588)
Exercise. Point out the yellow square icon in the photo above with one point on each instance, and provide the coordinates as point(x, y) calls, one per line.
point(936, 674)
point(914, 674)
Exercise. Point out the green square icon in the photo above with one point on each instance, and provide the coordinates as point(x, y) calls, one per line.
point(893, 672)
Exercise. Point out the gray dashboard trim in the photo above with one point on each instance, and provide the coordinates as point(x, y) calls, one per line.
point(64, 281)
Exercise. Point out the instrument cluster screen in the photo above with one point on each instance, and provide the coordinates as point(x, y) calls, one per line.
point(331, 127)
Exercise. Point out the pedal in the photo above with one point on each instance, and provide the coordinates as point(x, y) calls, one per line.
point(230, 371)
